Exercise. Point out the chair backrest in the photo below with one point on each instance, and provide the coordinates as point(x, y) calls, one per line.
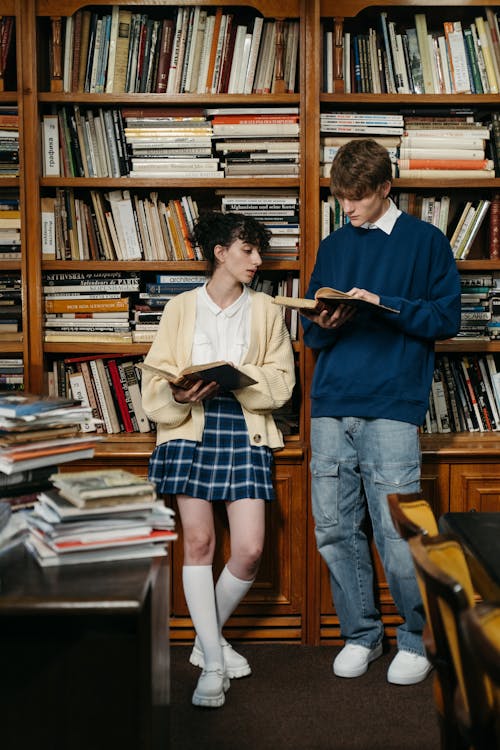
point(411, 514)
point(481, 632)
point(442, 568)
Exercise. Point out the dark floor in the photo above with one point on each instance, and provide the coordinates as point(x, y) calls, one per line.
point(293, 700)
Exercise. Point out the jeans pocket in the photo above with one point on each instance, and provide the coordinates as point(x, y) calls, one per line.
point(325, 490)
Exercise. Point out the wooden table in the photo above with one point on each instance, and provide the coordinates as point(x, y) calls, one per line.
point(84, 655)
point(479, 534)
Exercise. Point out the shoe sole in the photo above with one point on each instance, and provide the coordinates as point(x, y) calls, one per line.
point(409, 680)
point(215, 701)
point(197, 660)
point(374, 654)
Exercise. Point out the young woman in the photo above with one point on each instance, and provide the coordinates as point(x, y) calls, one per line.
point(215, 446)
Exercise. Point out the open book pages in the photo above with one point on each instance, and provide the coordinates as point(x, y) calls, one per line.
point(328, 298)
point(225, 374)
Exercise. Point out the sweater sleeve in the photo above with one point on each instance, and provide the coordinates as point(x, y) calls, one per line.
point(269, 360)
point(157, 396)
point(437, 316)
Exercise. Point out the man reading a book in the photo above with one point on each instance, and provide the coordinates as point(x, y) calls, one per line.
point(369, 396)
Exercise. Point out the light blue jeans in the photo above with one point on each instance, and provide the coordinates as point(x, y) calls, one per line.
point(355, 464)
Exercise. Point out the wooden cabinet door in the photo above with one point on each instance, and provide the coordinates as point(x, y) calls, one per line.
point(275, 605)
point(475, 486)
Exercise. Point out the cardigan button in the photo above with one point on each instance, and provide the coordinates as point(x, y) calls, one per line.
point(257, 438)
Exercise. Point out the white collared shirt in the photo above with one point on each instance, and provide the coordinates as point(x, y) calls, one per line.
point(221, 335)
point(386, 221)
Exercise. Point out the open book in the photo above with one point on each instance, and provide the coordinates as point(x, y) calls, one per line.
point(225, 374)
point(328, 298)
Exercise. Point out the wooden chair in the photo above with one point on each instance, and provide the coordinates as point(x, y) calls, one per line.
point(443, 572)
point(411, 514)
point(480, 629)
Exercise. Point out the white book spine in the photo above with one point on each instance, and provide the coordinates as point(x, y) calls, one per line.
point(51, 156)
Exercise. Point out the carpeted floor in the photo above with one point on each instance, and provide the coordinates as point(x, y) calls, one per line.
point(293, 700)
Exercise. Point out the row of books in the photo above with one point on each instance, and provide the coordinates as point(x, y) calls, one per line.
point(169, 141)
point(11, 373)
point(465, 395)
point(462, 226)
point(454, 58)
point(181, 50)
point(9, 138)
point(10, 307)
point(109, 386)
point(97, 516)
point(121, 225)
point(10, 225)
point(117, 225)
point(284, 286)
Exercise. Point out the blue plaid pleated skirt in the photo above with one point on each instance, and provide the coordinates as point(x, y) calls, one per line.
point(223, 466)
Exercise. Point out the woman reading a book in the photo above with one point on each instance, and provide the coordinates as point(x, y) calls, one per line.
point(215, 445)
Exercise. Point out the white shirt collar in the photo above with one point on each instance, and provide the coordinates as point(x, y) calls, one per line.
point(228, 311)
point(386, 221)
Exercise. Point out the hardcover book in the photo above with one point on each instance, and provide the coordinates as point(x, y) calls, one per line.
point(328, 299)
point(225, 374)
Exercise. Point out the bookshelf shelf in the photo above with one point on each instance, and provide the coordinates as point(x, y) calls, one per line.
point(415, 100)
point(171, 99)
point(170, 182)
point(438, 185)
point(196, 266)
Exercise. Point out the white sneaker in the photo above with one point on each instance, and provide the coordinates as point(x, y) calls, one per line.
point(408, 668)
point(235, 664)
point(210, 691)
point(353, 660)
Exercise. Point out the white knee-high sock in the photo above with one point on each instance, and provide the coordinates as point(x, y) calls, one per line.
point(229, 592)
point(199, 591)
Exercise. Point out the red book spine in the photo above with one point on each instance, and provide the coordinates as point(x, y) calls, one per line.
point(494, 228)
point(120, 395)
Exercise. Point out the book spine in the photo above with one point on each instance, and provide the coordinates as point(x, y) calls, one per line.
point(119, 394)
point(135, 395)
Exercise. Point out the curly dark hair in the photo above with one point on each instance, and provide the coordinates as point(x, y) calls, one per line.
point(217, 228)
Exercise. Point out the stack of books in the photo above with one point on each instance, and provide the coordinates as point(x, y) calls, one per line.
point(257, 141)
point(330, 144)
point(9, 141)
point(278, 210)
point(96, 516)
point(11, 372)
point(337, 128)
point(10, 227)
point(102, 292)
point(38, 431)
point(156, 295)
point(10, 307)
point(169, 142)
point(477, 291)
point(438, 146)
point(13, 528)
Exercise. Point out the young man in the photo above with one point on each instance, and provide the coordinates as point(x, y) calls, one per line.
point(369, 395)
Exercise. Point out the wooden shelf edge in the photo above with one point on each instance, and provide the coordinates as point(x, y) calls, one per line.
point(127, 446)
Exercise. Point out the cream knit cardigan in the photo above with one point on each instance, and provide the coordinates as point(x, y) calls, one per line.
point(269, 360)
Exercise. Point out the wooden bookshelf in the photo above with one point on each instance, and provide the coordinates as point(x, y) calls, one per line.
point(291, 598)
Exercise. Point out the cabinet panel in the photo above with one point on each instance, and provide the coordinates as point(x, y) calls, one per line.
point(475, 487)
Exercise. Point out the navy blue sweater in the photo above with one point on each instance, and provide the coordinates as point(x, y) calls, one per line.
point(380, 365)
